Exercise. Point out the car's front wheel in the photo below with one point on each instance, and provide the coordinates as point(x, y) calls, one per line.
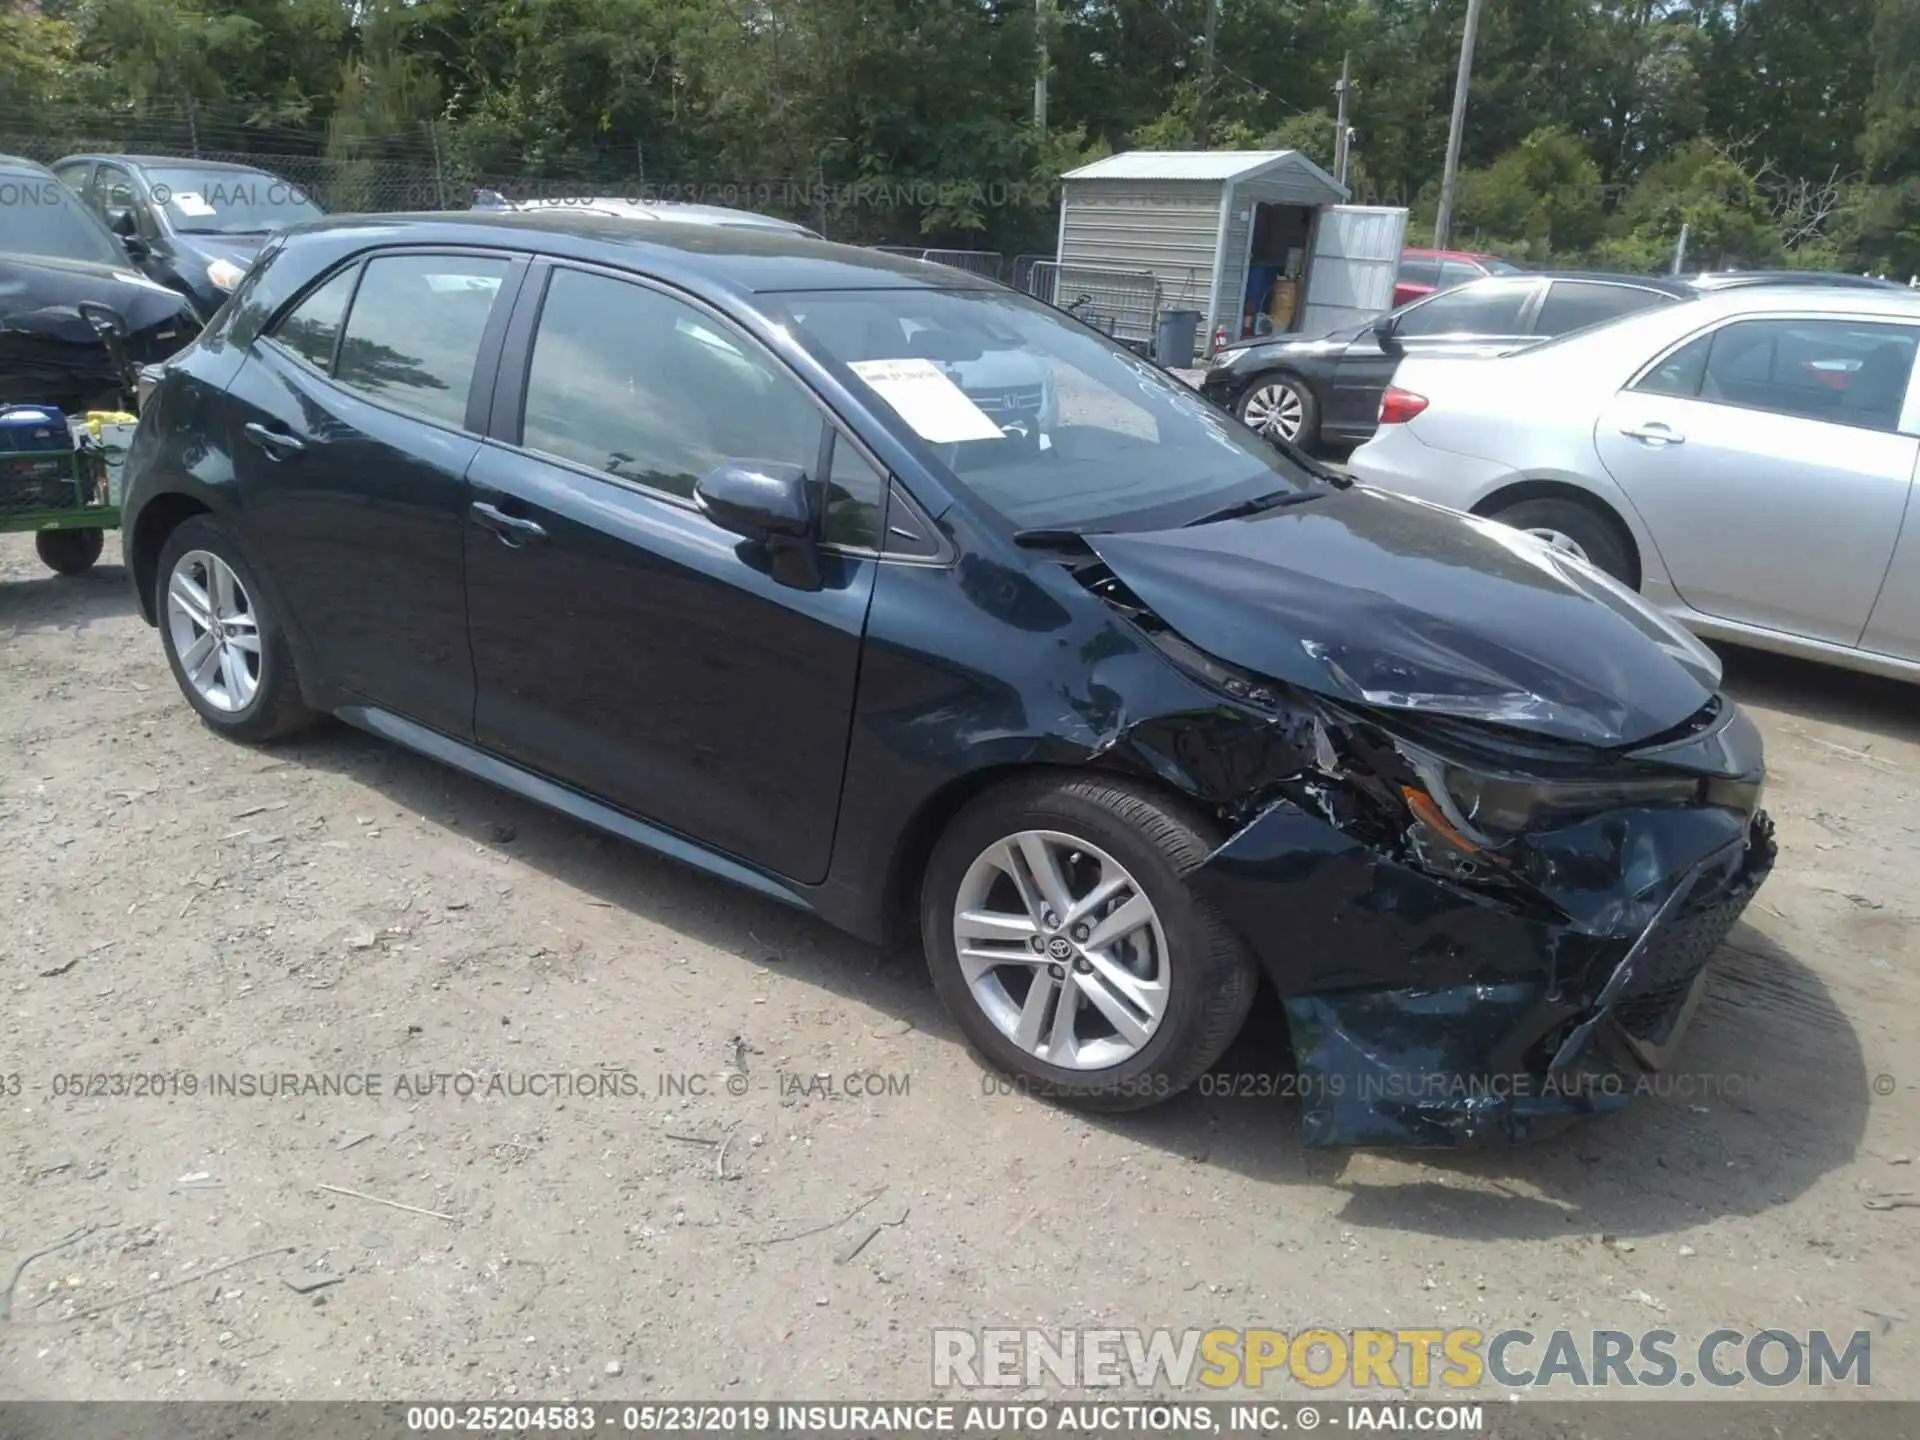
point(1063, 938)
point(228, 651)
point(1282, 407)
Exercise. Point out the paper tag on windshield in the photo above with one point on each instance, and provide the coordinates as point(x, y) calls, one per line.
point(926, 399)
point(188, 202)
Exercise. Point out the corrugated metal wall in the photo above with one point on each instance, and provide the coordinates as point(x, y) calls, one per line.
point(1356, 257)
point(1164, 227)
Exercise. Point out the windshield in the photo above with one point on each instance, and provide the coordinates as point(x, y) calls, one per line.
point(1501, 267)
point(229, 202)
point(1052, 425)
point(40, 216)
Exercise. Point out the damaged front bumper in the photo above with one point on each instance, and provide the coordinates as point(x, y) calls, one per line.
point(1427, 1011)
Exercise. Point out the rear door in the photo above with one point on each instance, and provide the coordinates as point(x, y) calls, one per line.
point(1772, 459)
point(352, 424)
point(1356, 257)
point(622, 642)
point(1488, 317)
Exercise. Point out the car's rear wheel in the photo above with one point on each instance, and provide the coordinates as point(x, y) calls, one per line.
point(1064, 940)
point(1575, 528)
point(227, 649)
point(68, 552)
point(1282, 407)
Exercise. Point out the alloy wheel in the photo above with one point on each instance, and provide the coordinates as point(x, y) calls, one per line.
point(1062, 950)
point(1275, 409)
point(215, 630)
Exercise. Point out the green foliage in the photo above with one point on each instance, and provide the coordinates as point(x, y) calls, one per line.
point(1776, 131)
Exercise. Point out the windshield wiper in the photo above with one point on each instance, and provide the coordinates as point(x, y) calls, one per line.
point(1278, 500)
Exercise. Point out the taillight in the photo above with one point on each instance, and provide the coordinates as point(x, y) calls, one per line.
point(1399, 406)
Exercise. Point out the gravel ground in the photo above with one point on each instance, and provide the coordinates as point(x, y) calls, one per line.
point(178, 906)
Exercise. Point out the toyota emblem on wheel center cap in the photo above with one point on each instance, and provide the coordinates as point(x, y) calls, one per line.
point(1059, 947)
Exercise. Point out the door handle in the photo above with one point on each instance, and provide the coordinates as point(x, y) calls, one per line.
point(512, 529)
point(1653, 432)
point(277, 443)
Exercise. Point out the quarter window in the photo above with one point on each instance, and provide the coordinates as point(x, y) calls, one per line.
point(312, 327)
point(414, 334)
point(856, 499)
point(640, 385)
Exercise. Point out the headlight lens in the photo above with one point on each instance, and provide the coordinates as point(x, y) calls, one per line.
point(224, 274)
point(1503, 806)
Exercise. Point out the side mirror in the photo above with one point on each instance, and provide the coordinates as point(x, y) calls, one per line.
point(758, 499)
point(772, 506)
point(1384, 330)
point(136, 248)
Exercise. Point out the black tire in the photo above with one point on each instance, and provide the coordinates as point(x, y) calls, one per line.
point(1308, 435)
point(1607, 545)
point(276, 708)
point(68, 552)
point(1212, 976)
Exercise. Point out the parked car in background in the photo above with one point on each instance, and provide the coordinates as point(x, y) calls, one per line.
point(193, 225)
point(690, 535)
point(1427, 272)
point(1327, 388)
point(1746, 461)
point(69, 298)
point(678, 211)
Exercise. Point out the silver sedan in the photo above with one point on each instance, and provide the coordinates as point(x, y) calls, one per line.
point(1746, 461)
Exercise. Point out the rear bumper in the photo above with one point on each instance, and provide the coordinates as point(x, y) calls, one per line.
point(1397, 459)
point(1426, 1015)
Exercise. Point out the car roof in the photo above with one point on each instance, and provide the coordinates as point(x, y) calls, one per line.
point(171, 162)
point(1813, 300)
point(684, 211)
point(742, 259)
point(1732, 279)
point(23, 165)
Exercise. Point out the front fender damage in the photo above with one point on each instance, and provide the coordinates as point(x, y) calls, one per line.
point(1434, 1002)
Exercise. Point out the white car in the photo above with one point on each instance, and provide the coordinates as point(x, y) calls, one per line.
point(681, 212)
point(1746, 460)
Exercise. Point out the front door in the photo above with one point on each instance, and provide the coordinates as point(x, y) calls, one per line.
point(351, 442)
point(1488, 317)
point(622, 642)
point(1771, 462)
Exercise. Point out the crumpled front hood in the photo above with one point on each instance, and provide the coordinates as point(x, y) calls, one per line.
point(1397, 604)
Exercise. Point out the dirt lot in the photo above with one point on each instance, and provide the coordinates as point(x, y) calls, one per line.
point(177, 906)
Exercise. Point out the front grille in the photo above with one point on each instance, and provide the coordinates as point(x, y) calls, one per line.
point(1674, 956)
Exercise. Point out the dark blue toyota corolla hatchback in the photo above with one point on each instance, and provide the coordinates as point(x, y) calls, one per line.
point(899, 597)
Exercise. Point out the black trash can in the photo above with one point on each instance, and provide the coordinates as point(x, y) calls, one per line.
point(1175, 342)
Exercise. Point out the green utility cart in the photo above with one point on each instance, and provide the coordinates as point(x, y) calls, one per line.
point(59, 478)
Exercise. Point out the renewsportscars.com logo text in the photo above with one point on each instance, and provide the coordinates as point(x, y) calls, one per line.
point(1458, 1359)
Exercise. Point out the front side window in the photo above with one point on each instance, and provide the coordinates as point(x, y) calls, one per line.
point(1050, 424)
point(1491, 307)
point(639, 385)
point(228, 202)
point(413, 336)
point(1843, 371)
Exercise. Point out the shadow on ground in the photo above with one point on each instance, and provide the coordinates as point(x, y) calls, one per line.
point(1770, 1095)
point(59, 602)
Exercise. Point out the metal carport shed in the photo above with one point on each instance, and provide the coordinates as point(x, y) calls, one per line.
point(1256, 241)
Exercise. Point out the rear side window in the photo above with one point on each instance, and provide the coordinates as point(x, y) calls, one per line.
point(312, 327)
point(1419, 271)
point(1681, 372)
point(1575, 304)
point(642, 386)
point(413, 336)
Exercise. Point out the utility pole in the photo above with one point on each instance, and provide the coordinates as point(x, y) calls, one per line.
point(1342, 137)
point(1443, 222)
point(1040, 17)
point(1203, 113)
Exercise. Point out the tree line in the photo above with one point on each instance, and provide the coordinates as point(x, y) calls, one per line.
point(1779, 132)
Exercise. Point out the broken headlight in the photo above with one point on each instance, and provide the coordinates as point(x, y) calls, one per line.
point(1478, 811)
